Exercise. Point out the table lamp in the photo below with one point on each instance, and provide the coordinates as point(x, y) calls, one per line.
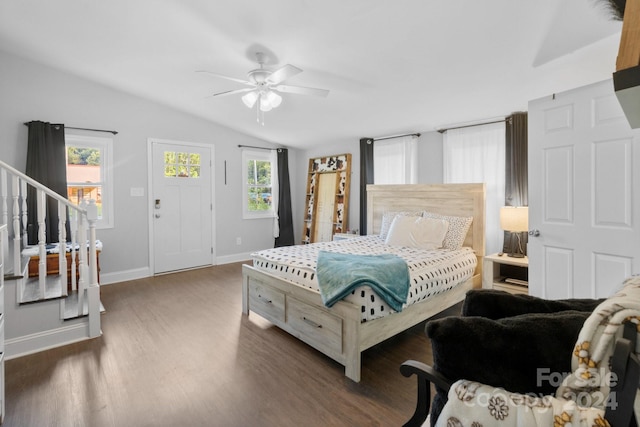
point(515, 219)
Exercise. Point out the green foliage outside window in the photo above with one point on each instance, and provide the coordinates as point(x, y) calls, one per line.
point(83, 156)
point(259, 185)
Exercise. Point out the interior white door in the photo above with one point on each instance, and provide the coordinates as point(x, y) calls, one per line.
point(182, 206)
point(583, 200)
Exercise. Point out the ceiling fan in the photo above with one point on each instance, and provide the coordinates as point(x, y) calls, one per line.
point(265, 84)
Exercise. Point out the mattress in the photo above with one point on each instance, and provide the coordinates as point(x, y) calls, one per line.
point(431, 272)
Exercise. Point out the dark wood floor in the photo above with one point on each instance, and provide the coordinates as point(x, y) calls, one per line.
point(176, 351)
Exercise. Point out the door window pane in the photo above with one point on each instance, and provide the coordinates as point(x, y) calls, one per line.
point(181, 165)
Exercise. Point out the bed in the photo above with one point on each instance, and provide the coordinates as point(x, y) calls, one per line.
point(340, 332)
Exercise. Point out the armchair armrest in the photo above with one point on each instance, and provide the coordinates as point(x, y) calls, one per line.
point(425, 376)
point(626, 366)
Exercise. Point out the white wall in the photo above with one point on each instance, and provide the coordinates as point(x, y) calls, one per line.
point(429, 172)
point(29, 91)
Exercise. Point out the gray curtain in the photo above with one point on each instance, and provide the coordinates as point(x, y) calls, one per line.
point(516, 174)
point(285, 216)
point(366, 177)
point(46, 163)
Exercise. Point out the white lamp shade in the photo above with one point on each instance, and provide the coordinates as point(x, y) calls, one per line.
point(250, 99)
point(514, 218)
point(274, 99)
point(265, 105)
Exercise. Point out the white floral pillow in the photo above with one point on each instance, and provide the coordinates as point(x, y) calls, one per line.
point(388, 217)
point(458, 228)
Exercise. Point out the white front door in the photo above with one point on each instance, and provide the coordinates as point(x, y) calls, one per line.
point(584, 200)
point(182, 209)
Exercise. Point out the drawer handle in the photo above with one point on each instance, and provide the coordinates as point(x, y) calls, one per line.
point(311, 322)
point(268, 301)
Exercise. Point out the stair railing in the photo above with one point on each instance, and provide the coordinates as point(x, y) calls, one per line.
point(82, 222)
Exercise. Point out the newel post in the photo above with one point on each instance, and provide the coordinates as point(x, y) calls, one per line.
point(92, 217)
point(93, 289)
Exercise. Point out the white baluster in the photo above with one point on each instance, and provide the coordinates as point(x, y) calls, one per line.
point(62, 246)
point(42, 239)
point(73, 223)
point(25, 213)
point(5, 212)
point(15, 190)
point(3, 195)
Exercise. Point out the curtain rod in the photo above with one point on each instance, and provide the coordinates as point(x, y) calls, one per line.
point(395, 136)
point(92, 130)
point(259, 148)
point(475, 124)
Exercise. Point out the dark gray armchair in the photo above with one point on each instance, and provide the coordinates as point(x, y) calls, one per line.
point(519, 334)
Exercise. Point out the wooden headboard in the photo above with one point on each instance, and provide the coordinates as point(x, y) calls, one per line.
point(445, 199)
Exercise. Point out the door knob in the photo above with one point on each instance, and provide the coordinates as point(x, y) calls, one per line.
point(157, 215)
point(534, 233)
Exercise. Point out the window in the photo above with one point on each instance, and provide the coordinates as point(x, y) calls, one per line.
point(476, 154)
point(89, 174)
point(259, 171)
point(395, 161)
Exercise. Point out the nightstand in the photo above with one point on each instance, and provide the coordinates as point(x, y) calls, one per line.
point(492, 278)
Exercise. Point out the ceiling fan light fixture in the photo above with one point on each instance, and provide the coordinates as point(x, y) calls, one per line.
point(250, 99)
point(274, 99)
point(265, 86)
point(265, 105)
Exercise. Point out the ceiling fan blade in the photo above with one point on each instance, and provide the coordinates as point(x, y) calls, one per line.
point(232, 92)
point(282, 74)
point(233, 79)
point(300, 90)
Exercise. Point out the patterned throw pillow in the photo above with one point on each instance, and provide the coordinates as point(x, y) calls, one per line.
point(457, 232)
point(387, 219)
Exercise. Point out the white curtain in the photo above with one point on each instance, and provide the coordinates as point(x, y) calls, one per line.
point(395, 161)
point(476, 154)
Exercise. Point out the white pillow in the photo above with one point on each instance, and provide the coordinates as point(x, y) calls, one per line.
point(417, 232)
point(458, 228)
point(388, 217)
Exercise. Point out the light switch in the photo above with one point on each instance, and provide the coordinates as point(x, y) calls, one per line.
point(137, 192)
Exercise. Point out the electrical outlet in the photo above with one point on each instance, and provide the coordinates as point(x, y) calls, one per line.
point(238, 240)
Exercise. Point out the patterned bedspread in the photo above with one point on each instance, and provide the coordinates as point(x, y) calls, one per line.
point(431, 271)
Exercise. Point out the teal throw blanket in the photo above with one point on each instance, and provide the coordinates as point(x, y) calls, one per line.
point(339, 274)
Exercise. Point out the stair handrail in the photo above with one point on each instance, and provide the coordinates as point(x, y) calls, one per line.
point(88, 287)
point(88, 273)
point(49, 192)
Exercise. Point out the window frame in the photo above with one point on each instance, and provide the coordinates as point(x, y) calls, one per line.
point(105, 145)
point(259, 155)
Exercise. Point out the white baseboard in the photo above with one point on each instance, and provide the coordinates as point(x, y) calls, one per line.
point(228, 259)
point(141, 273)
point(34, 343)
point(123, 276)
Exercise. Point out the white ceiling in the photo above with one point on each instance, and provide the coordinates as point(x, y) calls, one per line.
point(391, 67)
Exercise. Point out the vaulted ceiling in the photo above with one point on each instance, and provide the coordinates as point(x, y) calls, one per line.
point(391, 67)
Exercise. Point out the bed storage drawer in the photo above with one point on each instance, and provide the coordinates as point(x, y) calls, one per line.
point(324, 329)
point(267, 302)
